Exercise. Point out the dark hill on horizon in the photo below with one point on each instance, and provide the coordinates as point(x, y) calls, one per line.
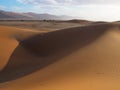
point(5, 15)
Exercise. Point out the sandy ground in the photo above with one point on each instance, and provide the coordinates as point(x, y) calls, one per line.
point(81, 58)
point(45, 25)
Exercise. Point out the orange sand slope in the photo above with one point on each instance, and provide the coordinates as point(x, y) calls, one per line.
point(82, 58)
point(9, 39)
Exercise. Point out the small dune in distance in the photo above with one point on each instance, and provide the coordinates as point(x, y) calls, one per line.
point(59, 55)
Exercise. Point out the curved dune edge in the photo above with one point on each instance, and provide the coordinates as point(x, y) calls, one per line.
point(93, 67)
point(6, 51)
point(7, 46)
point(9, 37)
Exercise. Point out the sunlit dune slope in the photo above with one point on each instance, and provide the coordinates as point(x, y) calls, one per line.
point(82, 58)
point(9, 39)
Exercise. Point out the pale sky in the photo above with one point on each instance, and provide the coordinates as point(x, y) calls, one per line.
point(103, 10)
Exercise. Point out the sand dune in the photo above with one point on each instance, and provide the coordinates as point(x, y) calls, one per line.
point(78, 58)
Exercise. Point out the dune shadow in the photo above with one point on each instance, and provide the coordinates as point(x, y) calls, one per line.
point(42, 50)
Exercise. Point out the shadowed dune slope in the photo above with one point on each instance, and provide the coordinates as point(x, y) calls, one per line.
point(84, 58)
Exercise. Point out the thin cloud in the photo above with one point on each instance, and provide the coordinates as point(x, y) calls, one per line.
point(44, 2)
point(71, 2)
point(2, 7)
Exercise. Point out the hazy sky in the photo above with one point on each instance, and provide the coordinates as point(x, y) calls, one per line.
point(108, 10)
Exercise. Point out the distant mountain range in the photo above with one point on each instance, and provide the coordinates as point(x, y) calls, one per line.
point(5, 15)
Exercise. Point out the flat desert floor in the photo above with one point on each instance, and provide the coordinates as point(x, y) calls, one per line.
point(78, 57)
